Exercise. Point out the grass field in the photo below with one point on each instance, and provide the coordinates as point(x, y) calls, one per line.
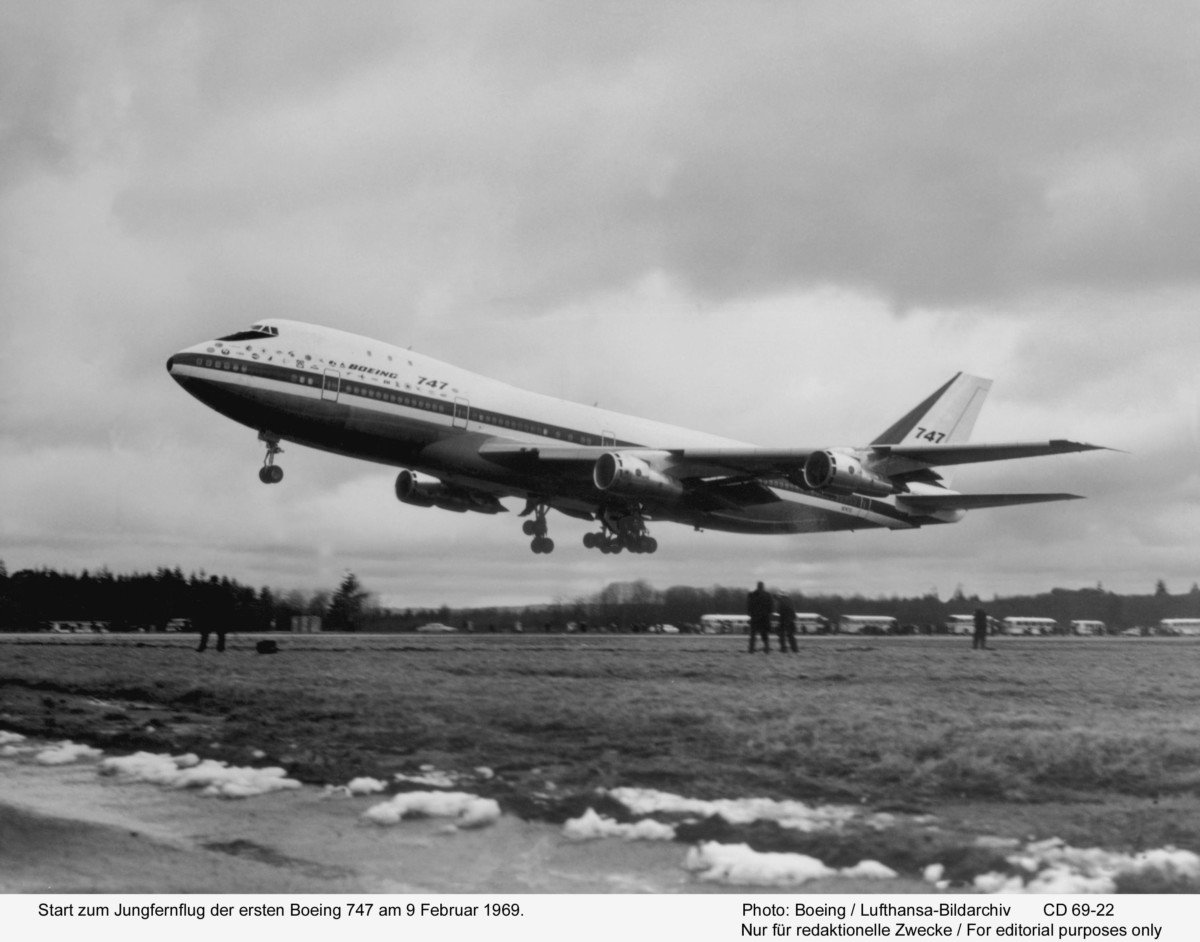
point(1096, 741)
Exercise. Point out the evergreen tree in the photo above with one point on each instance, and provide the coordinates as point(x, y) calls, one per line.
point(346, 607)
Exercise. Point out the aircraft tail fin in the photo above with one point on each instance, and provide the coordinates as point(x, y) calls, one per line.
point(946, 417)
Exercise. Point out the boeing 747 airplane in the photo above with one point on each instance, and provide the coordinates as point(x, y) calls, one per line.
point(465, 441)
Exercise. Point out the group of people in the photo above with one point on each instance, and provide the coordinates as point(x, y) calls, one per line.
point(761, 605)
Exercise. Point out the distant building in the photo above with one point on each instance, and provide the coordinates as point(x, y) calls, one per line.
point(866, 625)
point(78, 627)
point(1019, 625)
point(724, 624)
point(306, 624)
point(965, 625)
point(1179, 626)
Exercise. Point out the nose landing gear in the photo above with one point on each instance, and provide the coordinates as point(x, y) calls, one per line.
point(270, 472)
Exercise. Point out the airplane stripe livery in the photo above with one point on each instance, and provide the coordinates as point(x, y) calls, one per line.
point(464, 442)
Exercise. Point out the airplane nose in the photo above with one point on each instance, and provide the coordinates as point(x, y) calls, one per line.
point(170, 363)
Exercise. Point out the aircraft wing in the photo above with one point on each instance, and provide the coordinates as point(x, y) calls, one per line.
point(749, 461)
point(746, 461)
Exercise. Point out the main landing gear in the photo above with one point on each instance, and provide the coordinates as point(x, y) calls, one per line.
point(270, 472)
point(537, 528)
point(621, 531)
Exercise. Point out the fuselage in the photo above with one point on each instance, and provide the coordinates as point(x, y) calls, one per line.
point(351, 395)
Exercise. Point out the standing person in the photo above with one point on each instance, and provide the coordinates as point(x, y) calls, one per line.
point(203, 612)
point(787, 623)
point(214, 612)
point(759, 607)
point(981, 630)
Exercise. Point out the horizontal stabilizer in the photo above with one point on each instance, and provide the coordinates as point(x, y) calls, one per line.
point(940, 455)
point(932, 503)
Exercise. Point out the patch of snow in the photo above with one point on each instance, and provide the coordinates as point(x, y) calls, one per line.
point(66, 752)
point(1051, 866)
point(590, 825)
point(739, 864)
point(467, 810)
point(212, 777)
point(870, 870)
point(430, 776)
point(357, 786)
point(795, 815)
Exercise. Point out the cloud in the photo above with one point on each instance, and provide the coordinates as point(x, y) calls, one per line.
point(709, 217)
point(461, 154)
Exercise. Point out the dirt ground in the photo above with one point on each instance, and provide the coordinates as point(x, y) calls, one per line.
point(65, 829)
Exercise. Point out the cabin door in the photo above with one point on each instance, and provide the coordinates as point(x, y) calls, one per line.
point(331, 386)
point(462, 412)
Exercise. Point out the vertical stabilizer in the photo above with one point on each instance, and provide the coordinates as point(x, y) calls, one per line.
point(946, 417)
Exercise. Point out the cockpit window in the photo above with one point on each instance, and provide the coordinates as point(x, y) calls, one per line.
point(257, 332)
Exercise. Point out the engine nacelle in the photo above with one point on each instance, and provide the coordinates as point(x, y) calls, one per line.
point(423, 491)
point(842, 472)
point(627, 476)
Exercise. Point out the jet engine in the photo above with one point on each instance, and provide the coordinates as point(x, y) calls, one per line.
point(838, 471)
point(423, 491)
point(627, 476)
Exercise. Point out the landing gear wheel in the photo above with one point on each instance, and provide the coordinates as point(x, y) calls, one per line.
point(537, 528)
point(621, 529)
point(270, 473)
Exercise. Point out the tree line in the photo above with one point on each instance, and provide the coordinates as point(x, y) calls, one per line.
point(625, 605)
point(34, 598)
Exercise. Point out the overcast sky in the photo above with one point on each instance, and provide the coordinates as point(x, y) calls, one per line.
point(785, 223)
